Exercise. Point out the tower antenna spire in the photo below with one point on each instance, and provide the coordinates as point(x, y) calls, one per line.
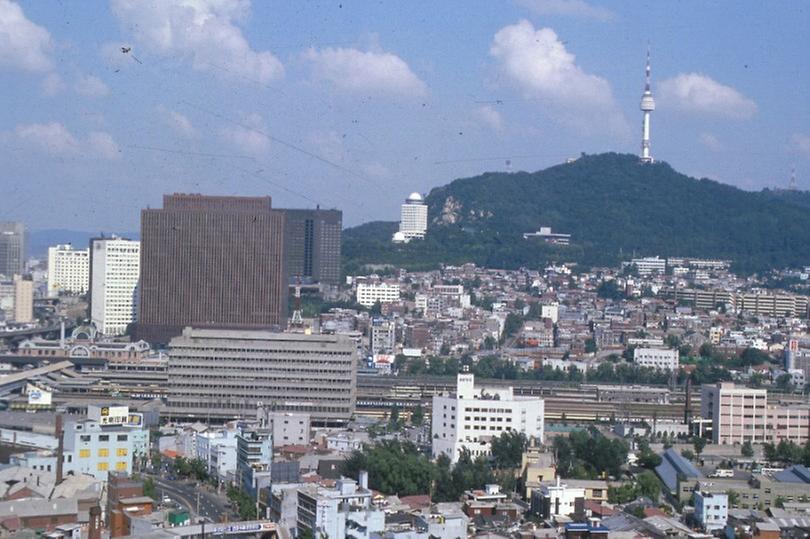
point(647, 71)
point(647, 106)
point(792, 184)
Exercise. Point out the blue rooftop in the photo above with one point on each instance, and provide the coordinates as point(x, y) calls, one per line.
point(673, 464)
point(795, 474)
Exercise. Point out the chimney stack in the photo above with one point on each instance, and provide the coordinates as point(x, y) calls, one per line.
point(95, 523)
point(60, 448)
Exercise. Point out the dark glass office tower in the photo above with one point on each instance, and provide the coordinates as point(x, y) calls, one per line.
point(313, 245)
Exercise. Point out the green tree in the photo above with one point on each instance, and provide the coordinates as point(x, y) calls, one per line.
point(609, 290)
point(785, 382)
point(394, 467)
point(648, 485)
point(647, 458)
point(507, 449)
point(699, 443)
point(590, 346)
point(149, 488)
point(733, 498)
point(688, 454)
point(753, 356)
point(747, 450)
point(417, 416)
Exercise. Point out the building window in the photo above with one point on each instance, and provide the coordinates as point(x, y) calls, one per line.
point(84, 453)
point(121, 466)
point(104, 438)
point(122, 438)
point(85, 437)
point(103, 452)
point(103, 466)
point(121, 452)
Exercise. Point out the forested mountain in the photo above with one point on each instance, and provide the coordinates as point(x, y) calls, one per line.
point(613, 207)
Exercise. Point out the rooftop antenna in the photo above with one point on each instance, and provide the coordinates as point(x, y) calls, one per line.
point(792, 182)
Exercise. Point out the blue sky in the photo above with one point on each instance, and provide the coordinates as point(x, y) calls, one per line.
point(354, 105)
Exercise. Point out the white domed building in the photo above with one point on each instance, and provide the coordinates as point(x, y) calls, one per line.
point(413, 219)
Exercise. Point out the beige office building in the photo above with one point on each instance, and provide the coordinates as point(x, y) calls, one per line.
point(216, 373)
point(741, 414)
point(23, 300)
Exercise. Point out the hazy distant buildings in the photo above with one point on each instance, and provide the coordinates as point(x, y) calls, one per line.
point(313, 240)
point(114, 272)
point(229, 373)
point(68, 270)
point(413, 219)
point(648, 265)
point(545, 234)
point(212, 261)
point(12, 249)
point(656, 358)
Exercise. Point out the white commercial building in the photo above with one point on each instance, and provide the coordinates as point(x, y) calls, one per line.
point(68, 270)
point(472, 417)
point(370, 293)
point(288, 428)
point(657, 358)
point(340, 513)
point(413, 219)
point(218, 451)
point(711, 510)
point(115, 271)
point(649, 265)
point(556, 499)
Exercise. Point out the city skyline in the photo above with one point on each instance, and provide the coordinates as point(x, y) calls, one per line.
point(300, 103)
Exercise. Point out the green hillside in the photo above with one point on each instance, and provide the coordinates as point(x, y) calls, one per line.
point(613, 207)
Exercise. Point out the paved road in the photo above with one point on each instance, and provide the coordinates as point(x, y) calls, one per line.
point(211, 505)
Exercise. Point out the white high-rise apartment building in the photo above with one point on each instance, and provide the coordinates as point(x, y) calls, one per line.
point(68, 270)
point(472, 417)
point(413, 219)
point(115, 265)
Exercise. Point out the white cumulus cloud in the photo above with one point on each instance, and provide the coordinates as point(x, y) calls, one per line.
point(23, 44)
point(801, 142)
point(90, 86)
point(55, 139)
point(101, 144)
point(573, 8)
point(357, 71)
point(695, 92)
point(52, 85)
point(538, 64)
point(490, 117)
point(205, 31)
point(180, 123)
point(710, 141)
point(249, 136)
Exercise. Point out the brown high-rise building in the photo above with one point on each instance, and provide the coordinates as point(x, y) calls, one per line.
point(210, 261)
